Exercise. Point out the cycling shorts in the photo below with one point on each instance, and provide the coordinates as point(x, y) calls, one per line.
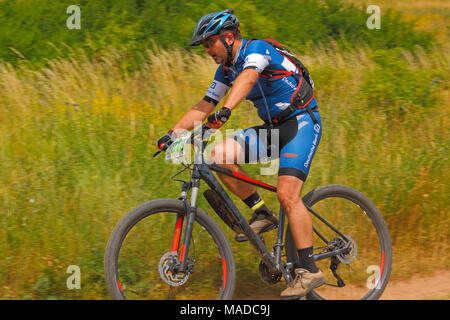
point(294, 141)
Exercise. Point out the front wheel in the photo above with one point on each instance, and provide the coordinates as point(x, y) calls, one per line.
point(143, 251)
point(365, 266)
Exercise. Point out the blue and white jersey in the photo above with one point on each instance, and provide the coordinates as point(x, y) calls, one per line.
point(261, 56)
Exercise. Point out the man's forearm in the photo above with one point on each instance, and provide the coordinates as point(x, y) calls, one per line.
point(198, 113)
point(241, 88)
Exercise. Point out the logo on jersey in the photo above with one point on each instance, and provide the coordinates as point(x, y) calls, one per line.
point(311, 151)
point(290, 155)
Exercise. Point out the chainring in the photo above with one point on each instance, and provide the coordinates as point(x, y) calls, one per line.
point(267, 276)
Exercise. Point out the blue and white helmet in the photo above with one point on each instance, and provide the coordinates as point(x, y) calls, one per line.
point(212, 24)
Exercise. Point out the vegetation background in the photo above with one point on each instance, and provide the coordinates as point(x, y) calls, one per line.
point(81, 111)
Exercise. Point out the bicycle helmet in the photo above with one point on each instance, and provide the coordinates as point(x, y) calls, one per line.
point(212, 24)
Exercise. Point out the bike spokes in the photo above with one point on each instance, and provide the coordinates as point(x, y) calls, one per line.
point(353, 256)
point(147, 270)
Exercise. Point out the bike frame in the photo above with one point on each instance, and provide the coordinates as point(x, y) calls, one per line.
point(202, 171)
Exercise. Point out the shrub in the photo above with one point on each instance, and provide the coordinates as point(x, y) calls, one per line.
point(396, 88)
point(37, 28)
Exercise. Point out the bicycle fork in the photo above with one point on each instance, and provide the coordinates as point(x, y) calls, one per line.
point(189, 225)
point(190, 219)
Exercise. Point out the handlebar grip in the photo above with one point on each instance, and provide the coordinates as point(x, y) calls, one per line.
point(203, 129)
point(156, 153)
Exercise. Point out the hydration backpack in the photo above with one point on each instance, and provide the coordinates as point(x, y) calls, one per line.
point(304, 93)
point(288, 55)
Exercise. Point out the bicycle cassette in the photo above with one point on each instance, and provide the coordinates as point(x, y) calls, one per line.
point(167, 261)
point(351, 253)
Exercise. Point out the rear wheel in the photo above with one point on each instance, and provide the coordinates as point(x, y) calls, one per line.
point(141, 256)
point(365, 265)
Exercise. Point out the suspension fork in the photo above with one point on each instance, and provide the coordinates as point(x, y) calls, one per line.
point(177, 233)
point(190, 219)
point(180, 217)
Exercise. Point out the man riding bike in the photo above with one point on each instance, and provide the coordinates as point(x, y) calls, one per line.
point(285, 101)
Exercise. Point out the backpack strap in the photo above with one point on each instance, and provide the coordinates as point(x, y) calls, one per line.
point(274, 74)
point(297, 101)
point(225, 75)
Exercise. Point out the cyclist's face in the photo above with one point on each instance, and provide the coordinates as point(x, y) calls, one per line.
point(215, 48)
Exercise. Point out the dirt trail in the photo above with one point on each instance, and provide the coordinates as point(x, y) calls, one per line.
point(432, 287)
point(436, 286)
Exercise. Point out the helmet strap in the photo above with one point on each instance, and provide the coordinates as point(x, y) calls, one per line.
point(229, 51)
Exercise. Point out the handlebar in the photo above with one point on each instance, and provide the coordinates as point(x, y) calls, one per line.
point(204, 127)
point(156, 153)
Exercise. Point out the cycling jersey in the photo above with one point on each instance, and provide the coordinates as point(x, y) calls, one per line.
point(296, 138)
point(277, 92)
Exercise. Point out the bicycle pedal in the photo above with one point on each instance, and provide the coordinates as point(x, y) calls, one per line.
point(244, 238)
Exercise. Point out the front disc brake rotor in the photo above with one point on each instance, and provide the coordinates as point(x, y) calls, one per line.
point(175, 280)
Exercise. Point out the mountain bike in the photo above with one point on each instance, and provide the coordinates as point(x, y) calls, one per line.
point(172, 249)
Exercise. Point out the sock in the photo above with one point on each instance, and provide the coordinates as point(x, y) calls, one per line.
point(305, 257)
point(255, 203)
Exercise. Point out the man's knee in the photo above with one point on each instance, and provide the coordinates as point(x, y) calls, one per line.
point(213, 155)
point(289, 190)
point(227, 152)
point(286, 196)
point(218, 155)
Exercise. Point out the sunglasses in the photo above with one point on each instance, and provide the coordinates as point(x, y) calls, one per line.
point(208, 43)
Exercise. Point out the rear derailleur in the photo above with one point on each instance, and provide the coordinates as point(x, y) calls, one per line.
point(333, 267)
point(346, 256)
